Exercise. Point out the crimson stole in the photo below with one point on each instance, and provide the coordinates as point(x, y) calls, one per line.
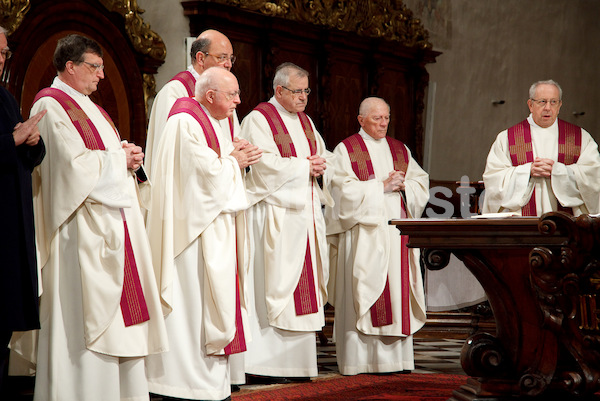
point(305, 296)
point(190, 106)
point(360, 159)
point(521, 152)
point(133, 303)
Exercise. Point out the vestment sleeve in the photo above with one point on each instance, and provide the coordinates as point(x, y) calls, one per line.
point(71, 171)
point(278, 180)
point(416, 181)
point(506, 186)
point(355, 201)
point(579, 183)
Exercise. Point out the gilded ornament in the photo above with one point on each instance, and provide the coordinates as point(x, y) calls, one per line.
point(12, 14)
point(387, 19)
point(143, 39)
point(149, 89)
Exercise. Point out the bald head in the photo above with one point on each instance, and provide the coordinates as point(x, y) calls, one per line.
point(211, 49)
point(218, 90)
point(368, 103)
point(374, 117)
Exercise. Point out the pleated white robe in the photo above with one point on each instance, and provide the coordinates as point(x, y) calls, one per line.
point(287, 208)
point(195, 217)
point(85, 352)
point(509, 188)
point(161, 106)
point(364, 251)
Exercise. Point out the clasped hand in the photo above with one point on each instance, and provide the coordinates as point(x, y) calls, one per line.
point(394, 182)
point(542, 167)
point(245, 153)
point(134, 155)
point(318, 165)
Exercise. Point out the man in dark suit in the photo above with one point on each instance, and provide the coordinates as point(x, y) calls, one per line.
point(21, 149)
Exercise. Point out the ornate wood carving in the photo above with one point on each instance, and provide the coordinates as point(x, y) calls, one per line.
point(387, 19)
point(132, 54)
point(542, 279)
point(352, 49)
point(12, 13)
point(143, 39)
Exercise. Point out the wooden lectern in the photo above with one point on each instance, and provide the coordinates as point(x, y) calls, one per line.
point(542, 279)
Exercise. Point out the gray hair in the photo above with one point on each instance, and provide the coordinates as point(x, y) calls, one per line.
point(533, 88)
point(3, 31)
point(285, 71)
point(367, 104)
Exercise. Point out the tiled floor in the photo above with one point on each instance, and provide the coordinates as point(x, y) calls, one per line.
point(431, 356)
point(438, 356)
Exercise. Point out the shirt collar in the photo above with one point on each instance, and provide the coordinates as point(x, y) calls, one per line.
point(69, 90)
point(368, 137)
point(279, 107)
point(533, 123)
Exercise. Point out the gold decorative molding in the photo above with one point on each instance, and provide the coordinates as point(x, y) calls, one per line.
point(149, 90)
point(387, 19)
point(12, 13)
point(143, 39)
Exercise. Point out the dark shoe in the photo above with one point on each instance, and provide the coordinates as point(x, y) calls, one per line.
point(255, 379)
point(235, 388)
point(299, 379)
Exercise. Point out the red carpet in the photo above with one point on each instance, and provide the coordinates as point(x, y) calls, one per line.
point(397, 387)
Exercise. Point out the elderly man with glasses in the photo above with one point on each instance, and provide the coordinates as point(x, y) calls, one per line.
point(290, 262)
point(200, 248)
point(210, 49)
point(375, 284)
point(543, 164)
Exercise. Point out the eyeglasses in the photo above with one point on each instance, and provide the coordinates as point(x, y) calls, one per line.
point(543, 102)
point(6, 53)
point(222, 59)
point(298, 92)
point(97, 67)
point(230, 95)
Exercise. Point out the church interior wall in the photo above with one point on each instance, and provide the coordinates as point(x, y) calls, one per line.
point(492, 50)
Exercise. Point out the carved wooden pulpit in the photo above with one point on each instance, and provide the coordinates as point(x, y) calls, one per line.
point(542, 278)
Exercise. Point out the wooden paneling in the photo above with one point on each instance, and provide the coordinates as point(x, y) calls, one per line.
point(344, 68)
point(121, 93)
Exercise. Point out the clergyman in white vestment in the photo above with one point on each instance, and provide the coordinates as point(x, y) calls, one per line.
point(375, 283)
point(290, 259)
point(543, 164)
point(200, 247)
point(100, 309)
point(210, 49)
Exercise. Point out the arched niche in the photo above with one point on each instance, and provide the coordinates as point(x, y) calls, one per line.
point(132, 54)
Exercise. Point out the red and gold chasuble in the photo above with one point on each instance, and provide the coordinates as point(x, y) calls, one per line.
point(192, 107)
point(360, 159)
point(521, 152)
point(305, 296)
point(133, 303)
point(189, 82)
